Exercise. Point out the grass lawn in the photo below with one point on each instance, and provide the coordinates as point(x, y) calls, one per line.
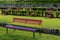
point(23, 35)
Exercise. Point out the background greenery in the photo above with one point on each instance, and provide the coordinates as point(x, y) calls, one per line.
point(30, 1)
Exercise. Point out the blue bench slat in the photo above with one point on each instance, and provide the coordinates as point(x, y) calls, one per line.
point(21, 28)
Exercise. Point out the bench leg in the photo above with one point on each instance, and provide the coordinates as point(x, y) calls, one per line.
point(39, 33)
point(14, 30)
point(6, 30)
point(33, 34)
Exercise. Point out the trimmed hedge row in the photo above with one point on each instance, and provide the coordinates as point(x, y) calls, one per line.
point(50, 31)
point(24, 14)
point(2, 24)
point(33, 14)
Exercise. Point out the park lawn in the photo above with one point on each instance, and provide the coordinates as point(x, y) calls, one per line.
point(23, 35)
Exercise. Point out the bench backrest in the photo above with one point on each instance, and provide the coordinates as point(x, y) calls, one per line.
point(27, 21)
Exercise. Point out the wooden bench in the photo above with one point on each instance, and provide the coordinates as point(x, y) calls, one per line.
point(27, 21)
point(23, 28)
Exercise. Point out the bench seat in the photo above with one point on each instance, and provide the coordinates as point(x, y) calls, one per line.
point(21, 28)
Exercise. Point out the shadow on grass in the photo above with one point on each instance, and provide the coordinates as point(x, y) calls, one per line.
point(16, 37)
